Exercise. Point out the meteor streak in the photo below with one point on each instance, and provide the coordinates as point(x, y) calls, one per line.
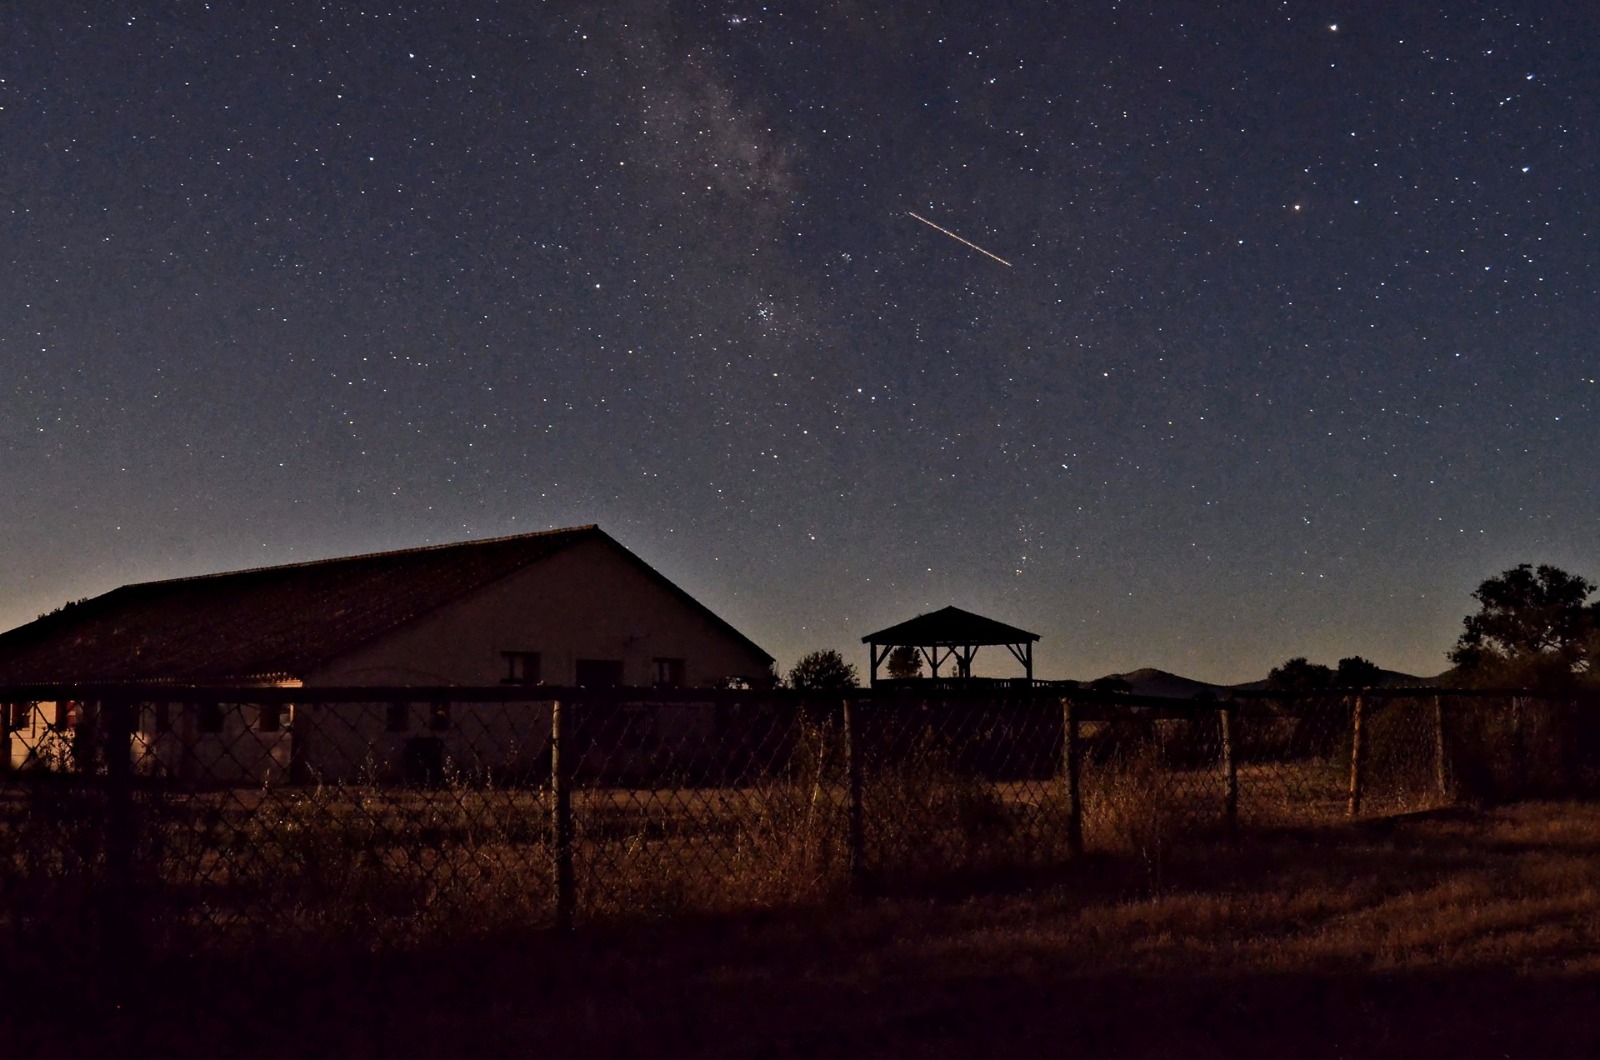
point(958, 239)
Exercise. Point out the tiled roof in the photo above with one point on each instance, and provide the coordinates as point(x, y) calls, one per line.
point(950, 626)
point(271, 621)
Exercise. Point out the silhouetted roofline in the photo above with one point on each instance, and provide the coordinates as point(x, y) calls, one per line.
point(269, 623)
point(716, 619)
point(359, 556)
point(949, 627)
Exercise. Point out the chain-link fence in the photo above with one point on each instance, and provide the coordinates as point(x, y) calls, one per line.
point(190, 820)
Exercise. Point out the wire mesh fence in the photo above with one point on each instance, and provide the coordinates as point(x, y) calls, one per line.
point(136, 820)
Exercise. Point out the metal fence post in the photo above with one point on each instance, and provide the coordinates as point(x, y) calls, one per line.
point(1072, 767)
point(561, 817)
point(1230, 774)
point(857, 856)
point(1358, 756)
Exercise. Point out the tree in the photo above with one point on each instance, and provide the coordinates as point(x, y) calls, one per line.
point(1321, 718)
point(823, 671)
point(1298, 675)
point(1533, 626)
point(904, 662)
point(1356, 672)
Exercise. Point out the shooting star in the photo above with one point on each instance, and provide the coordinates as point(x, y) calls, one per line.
point(958, 239)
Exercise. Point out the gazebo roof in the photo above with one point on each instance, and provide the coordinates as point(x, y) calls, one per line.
point(949, 626)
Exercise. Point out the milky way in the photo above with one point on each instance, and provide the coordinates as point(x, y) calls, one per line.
point(1297, 346)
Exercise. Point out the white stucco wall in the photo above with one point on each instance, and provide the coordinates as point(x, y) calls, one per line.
point(586, 602)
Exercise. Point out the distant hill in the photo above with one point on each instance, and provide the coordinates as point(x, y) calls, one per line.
point(1152, 682)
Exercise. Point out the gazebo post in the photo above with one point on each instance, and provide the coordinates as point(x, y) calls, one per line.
point(964, 659)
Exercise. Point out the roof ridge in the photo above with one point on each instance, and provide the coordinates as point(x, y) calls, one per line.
point(942, 617)
point(328, 560)
point(293, 618)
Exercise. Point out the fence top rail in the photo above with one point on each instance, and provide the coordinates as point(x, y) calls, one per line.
point(934, 694)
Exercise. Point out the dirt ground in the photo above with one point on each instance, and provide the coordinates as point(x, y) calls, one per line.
point(1461, 935)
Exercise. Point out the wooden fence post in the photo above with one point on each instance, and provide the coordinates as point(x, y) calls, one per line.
point(1358, 755)
point(1441, 752)
point(1230, 774)
point(1071, 765)
point(857, 823)
point(561, 817)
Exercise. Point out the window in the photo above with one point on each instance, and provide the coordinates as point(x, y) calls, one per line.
point(269, 717)
point(161, 718)
point(399, 717)
point(439, 717)
point(21, 716)
point(67, 715)
point(599, 673)
point(209, 717)
point(522, 668)
point(669, 673)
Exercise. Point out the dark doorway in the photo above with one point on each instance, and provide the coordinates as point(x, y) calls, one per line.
point(424, 760)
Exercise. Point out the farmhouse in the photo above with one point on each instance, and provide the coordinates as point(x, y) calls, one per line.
point(564, 607)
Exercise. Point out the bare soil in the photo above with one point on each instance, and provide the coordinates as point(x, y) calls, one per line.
point(1454, 934)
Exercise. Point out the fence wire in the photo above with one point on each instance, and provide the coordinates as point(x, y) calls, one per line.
point(194, 820)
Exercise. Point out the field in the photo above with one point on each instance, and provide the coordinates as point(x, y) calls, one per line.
point(383, 868)
point(1455, 934)
point(917, 888)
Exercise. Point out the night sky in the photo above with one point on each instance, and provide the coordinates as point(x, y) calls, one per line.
point(1296, 344)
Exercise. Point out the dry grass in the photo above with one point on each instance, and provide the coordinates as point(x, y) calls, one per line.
point(1459, 935)
point(386, 868)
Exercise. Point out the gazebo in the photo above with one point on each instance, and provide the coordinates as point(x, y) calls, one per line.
point(950, 633)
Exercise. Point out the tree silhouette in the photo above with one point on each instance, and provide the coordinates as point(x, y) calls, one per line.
point(904, 662)
point(1356, 672)
point(823, 671)
point(1298, 675)
point(1533, 626)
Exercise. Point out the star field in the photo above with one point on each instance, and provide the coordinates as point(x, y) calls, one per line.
point(1295, 349)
